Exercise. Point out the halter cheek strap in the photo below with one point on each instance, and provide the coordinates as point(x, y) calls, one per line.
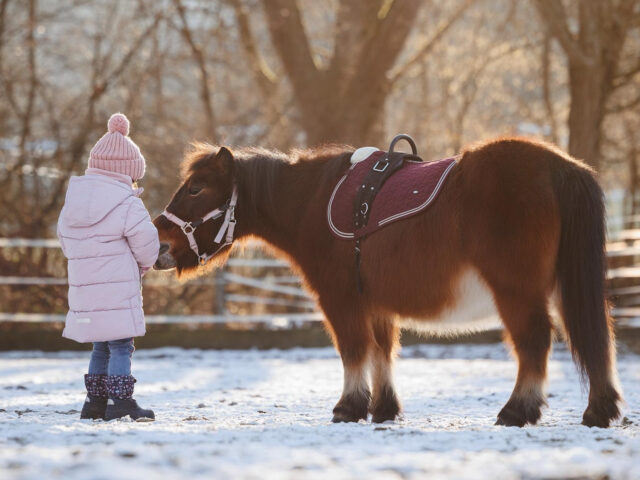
point(226, 229)
point(229, 223)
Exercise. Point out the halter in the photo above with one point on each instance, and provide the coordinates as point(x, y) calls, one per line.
point(228, 226)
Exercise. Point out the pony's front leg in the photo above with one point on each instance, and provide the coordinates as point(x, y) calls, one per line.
point(353, 338)
point(385, 404)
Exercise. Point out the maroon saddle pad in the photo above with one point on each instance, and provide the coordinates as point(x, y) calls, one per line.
point(407, 192)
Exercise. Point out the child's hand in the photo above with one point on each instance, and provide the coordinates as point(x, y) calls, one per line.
point(144, 270)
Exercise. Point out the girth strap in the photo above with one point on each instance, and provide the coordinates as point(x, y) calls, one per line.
point(390, 163)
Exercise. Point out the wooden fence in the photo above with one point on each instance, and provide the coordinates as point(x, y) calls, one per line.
point(279, 295)
point(284, 291)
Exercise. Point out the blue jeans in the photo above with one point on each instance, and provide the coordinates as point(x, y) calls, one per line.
point(111, 358)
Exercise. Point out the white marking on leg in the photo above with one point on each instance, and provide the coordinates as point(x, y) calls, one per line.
point(554, 307)
point(381, 371)
point(355, 380)
point(531, 390)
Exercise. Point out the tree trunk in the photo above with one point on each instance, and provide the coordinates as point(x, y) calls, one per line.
point(593, 54)
point(344, 101)
point(586, 114)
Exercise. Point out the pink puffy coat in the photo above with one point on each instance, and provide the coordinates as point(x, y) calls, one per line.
point(107, 235)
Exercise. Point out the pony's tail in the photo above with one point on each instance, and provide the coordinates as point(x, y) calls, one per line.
point(581, 270)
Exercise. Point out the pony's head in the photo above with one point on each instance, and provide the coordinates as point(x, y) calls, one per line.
point(199, 210)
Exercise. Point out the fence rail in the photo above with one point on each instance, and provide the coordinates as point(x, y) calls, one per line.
point(283, 290)
point(623, 278)
point(279, 320)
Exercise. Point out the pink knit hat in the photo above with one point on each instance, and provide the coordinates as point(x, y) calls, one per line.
point(116, 152)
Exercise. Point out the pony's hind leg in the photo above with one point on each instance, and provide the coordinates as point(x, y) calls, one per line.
point(604, 399)
point(529, 331)
point(385, 404)
point(599, 363)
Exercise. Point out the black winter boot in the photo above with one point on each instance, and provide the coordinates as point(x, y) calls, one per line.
point(120, 403)
point(96, 402)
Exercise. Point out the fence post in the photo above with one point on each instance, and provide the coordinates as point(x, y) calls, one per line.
point(220, 306)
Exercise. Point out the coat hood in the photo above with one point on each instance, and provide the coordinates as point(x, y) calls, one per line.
point(91, 198)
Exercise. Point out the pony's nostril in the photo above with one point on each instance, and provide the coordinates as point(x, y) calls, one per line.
point(164, 248)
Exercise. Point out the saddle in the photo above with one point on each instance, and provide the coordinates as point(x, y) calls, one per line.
point(381, 188)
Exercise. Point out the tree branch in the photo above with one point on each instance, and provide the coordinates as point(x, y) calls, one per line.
point(291, 43)
point(623, 78)
point(355, 25)
point(555, 17)
point(622, 107)
point(429, 44)
point(264, 76)
point(3, 14)
point(546, 87)
point(205, 93)
point(99, 88)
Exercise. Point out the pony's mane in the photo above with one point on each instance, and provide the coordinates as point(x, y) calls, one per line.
point(199, 152)
point(195, 157)
point(257, 169)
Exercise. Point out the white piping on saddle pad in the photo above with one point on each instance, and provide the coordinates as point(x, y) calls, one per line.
point(384, 221)
point(423, 205)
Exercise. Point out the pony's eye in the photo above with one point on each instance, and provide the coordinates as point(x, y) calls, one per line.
point(195, 189)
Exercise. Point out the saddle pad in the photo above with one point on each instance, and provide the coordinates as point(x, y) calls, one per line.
point(407, 192)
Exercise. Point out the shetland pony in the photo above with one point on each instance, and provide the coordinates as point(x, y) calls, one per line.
point(518, 228)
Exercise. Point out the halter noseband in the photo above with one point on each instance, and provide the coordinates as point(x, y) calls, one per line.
point(228, 226)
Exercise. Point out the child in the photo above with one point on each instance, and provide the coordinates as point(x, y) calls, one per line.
point(107, 236)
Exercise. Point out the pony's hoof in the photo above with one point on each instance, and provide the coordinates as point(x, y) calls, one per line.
point(602, 409)
point(590, 419)
point(518, 412)
point(348, 414)
point(384, 417)
point(352, 408)
point(512, 418)
point(344, 418)
point(504, 421)
point(385, 407)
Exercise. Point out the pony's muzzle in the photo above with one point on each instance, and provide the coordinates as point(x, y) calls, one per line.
point(165, 260)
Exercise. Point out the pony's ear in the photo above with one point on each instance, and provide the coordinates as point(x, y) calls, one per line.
point(224, 160)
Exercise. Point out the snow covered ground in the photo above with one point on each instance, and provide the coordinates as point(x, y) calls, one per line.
point(251, 414)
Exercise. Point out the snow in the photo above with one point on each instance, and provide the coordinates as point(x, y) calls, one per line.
point(266, 415)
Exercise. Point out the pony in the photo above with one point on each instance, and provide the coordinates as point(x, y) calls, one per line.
point(518, 231)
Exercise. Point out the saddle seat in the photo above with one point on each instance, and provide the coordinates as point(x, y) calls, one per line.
point(408, 191)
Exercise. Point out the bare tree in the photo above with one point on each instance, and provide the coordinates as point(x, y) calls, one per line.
point(41, 115)
point(342, 99)
point(199, 57)
point(593, 56)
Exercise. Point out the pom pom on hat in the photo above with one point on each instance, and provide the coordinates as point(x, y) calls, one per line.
point(118, 123)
